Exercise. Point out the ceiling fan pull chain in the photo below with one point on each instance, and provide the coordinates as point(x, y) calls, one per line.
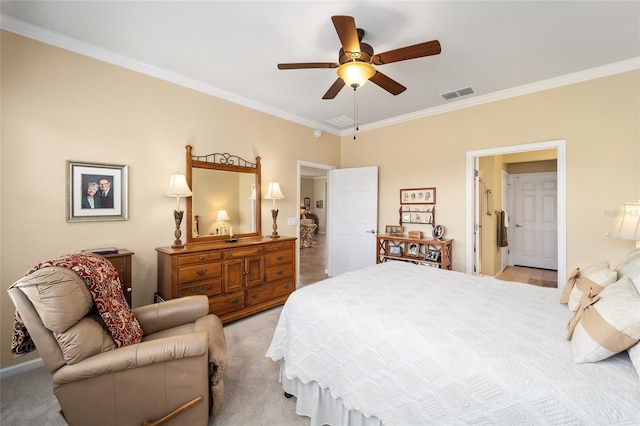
point(355, 112)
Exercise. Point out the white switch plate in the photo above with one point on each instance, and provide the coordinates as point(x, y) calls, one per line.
point(291, 221)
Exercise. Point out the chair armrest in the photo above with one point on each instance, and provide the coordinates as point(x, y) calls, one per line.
point(135, 356)
point(172, 313)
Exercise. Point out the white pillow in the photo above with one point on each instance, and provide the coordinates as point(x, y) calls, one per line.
point(609, 326)
point(591, 279)
point(629, 266)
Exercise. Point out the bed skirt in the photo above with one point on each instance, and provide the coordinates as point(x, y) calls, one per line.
point(317, 403)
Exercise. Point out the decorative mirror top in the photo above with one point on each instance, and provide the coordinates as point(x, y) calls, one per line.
point(226, 159)
point(226, 197)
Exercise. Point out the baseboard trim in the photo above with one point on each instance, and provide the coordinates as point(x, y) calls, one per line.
point(21, 368)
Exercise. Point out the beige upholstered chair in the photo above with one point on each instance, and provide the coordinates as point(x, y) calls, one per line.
point(307, 230)
point(175, 371)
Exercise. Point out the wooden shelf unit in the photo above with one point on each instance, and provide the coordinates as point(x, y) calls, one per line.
point(443, 249)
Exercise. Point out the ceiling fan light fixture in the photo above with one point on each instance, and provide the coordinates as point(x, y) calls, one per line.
point(355, 74)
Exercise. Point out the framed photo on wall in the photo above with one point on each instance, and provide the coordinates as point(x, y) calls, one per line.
point(96, 192)
point(418, 196)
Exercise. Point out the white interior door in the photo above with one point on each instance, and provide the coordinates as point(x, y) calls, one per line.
point(535, 220)
point(352, 218)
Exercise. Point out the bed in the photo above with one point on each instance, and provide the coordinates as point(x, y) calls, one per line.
point(403, 344)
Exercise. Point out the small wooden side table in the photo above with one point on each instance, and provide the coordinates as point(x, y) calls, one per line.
point(122, 262)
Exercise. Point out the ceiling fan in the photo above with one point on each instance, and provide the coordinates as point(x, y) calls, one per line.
point(356, 59)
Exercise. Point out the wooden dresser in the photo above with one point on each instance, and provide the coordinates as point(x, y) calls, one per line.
point(241, 278)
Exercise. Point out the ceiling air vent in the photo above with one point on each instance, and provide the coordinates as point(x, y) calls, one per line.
point(457, 93)
point(342, 121)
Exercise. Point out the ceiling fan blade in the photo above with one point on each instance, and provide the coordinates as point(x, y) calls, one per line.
point(419, 50)
point(347, 33)
point(387, 83)
point(298, 66)
point(334, 89)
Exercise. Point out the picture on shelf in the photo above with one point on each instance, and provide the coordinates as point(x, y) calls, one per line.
point(433, 255)
point(394, 230)
point(395, 250)
point(413, 249)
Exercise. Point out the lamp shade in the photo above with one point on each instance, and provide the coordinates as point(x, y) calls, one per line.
point(627, 225)
point(356, 74)
point(222, 216)
point(274, 192)
point(178, 187)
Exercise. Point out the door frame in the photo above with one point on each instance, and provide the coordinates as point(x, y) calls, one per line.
point(561, 159)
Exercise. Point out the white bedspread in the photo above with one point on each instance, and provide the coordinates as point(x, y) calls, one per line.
point(415, 345)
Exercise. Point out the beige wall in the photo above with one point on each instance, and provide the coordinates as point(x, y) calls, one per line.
point(58, 106)
point(320, 194)
point(599, 119)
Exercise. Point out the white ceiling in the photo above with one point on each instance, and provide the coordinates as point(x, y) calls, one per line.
point(230, 48)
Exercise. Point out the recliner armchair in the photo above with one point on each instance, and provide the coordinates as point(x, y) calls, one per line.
point(175, 371)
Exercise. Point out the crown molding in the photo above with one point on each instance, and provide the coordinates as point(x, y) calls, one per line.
point(30, 31)
point(552, 83)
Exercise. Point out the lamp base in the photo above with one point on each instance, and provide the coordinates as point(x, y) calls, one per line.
point(274, 214)
point(177, 243)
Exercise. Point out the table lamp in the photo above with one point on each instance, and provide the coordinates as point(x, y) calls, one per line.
point(274, 193)
point(178, 188)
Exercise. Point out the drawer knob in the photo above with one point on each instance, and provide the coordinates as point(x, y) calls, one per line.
point(201, 258)
point(254, 295)
point(201, 290)
point(280, 258)
point(202, 272)
point(235, 301)
point(287, 286)
point(280, 272)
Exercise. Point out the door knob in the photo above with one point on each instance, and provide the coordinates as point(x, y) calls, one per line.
point(371, 232)
point(519, 226)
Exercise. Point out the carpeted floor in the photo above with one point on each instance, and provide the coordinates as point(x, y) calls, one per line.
point(253, 395)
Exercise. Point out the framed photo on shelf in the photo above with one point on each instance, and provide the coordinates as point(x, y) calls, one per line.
point(433, 255)
point(96, 192)
point(394, 230)
point(418, 196)
point(413, 249)
point(395, 250)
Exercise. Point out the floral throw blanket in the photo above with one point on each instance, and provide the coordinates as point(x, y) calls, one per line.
point(102, 281)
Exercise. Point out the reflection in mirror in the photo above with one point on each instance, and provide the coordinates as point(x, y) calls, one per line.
point(220, 190)
point(224, 198)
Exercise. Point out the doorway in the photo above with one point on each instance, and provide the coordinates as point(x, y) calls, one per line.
point(475, 194)
point(312, 184)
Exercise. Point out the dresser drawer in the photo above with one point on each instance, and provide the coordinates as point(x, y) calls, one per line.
point(198, 258)
point(269, 291)
point(282, 245)
point(279, 257)
point(208, 288)
point(227, 303)
point(204, 271)
point(242, 252)
point(279, 271)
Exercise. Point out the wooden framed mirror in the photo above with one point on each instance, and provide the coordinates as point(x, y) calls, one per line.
point(222, 182)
